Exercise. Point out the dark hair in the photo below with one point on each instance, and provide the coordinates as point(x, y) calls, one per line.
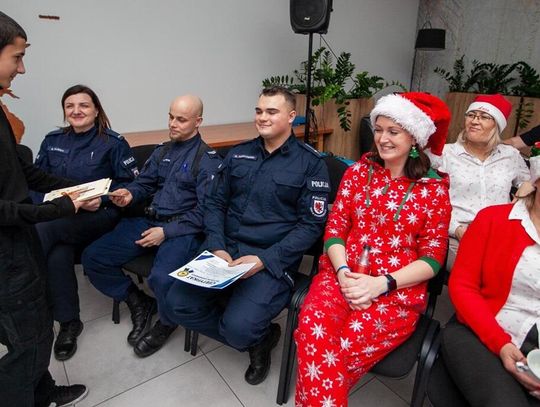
point(415, 168)
point(102, 121)
point(9, 30)
point(290, 98)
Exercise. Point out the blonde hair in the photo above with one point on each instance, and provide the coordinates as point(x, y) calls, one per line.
point(494, 140)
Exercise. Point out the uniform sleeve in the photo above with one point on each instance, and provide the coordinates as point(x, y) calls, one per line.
point(215, 208)
point(466, 280)
point(532, 136)
point(432, 240)
point(20, 214)
point(191, 222)
point(312, 210)
point(339, 220)
point(146, 184)
point(123, 165)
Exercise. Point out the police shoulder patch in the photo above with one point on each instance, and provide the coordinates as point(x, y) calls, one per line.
point(318, 184)
point(319, 206)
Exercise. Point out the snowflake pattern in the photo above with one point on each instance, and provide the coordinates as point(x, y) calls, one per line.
point(400, 227)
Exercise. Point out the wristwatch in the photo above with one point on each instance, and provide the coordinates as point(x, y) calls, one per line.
point(392, 284)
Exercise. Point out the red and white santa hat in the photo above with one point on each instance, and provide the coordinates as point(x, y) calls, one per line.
point(495, 105)
point(423, 115)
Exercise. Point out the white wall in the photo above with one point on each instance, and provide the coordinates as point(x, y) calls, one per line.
point(138, 55)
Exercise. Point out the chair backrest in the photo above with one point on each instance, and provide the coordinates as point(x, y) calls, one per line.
point(336, 169)
point(142, 153)
point(366, 135)
point(25, 153)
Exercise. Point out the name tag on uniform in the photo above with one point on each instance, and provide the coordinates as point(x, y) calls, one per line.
point(244, 157)
point(318, 184)
point(58, 150)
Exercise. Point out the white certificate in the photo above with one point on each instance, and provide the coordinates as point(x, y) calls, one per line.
point(210, 271)
point(88, 190)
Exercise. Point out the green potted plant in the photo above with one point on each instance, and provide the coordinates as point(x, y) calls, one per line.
point(340, 97)
point(519, 82)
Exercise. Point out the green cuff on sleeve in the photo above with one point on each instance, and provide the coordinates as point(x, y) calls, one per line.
point(333, 241)
point(432, 262)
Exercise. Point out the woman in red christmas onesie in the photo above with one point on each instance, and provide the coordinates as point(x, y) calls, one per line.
point(393, 202)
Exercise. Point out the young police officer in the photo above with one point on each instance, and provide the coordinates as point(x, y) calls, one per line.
point(25, 320)
point(268, 206)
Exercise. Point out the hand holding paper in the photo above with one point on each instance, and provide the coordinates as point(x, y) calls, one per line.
point(209, 271)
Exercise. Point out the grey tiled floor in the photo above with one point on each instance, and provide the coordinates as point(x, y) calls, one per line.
point(171, 377)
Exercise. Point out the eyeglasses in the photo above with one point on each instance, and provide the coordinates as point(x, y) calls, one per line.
point(482, 117)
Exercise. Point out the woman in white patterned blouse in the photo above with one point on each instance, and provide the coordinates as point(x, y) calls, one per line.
point(482, 171)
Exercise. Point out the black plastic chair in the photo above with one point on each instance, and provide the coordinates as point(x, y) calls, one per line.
point(336, 169)
point(397, 364)
point(436, 383)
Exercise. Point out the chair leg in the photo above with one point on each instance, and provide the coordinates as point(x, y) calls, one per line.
point(116, 312)
point(194, 342)
point(187, 340)
point(423, 372)
point(140, 279)
point(287, 359)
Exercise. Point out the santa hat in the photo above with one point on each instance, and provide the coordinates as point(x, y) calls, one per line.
point(423, 115)
point(495, 105)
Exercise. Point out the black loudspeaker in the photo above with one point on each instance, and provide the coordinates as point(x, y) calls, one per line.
point(310, 16)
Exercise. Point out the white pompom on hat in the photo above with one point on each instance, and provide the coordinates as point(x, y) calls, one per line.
point(424, 116)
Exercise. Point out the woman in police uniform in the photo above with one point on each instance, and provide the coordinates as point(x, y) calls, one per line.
point(85, 150)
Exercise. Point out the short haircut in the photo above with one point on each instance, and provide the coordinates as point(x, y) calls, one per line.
point(290, 98)
point(102, 121)
point(9, 30)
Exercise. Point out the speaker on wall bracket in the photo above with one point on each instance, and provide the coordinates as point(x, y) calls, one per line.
point(310, 16)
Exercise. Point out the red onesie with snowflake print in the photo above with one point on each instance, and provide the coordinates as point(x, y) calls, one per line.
point(402, 220)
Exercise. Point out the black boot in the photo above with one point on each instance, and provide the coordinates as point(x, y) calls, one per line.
point(66, 341)
point(154, 339)
point(259, 356)
point(142, 307)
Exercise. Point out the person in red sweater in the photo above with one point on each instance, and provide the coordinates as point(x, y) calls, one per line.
point(495, 288)
point(392, 201)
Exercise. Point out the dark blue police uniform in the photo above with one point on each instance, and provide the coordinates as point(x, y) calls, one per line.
point(177, 207)
point(82, 157)
point(273, 206)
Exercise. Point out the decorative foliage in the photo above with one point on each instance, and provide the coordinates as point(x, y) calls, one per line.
point(333, 81)
point(489, 78)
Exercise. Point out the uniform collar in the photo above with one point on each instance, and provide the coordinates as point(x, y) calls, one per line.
point(187, 142)
point(88, 133)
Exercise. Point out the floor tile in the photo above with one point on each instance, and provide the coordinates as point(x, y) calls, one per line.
point(107, 365)
point(232, 364)
point(403, 387)
point(375, 393)
point(193, 384)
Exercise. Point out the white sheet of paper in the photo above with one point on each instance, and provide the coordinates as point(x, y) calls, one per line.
point(210, 271)
point(88, 190)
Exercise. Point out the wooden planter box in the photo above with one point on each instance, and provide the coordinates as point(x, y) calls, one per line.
point(534, 105)
point(459, 102)
point(340, 142)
